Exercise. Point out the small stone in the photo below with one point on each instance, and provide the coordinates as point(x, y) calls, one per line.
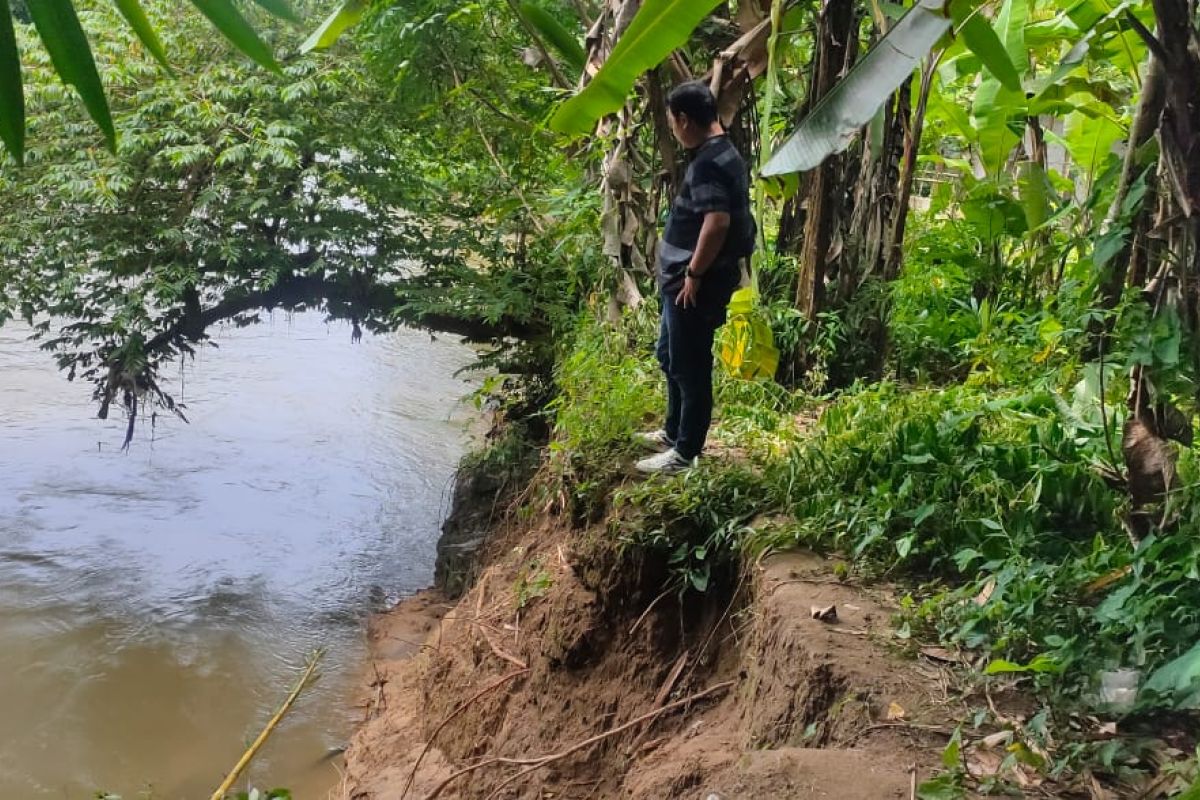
point(825, 614)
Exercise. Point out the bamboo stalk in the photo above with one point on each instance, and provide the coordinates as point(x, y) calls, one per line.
point(248, 756)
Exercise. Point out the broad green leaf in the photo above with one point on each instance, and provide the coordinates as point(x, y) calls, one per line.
point(1086, 13)
point(1064, 91)
point(12, 95)
point(1010, 27)
point(994, 107)
point(999, 111)
point(795, 19)
point(71, 56)
point(558, 37)
point(840, 114)
point(281, 9)
point(1090, 138)
point(1090, 24)
point(237, 30)
point(781, 186)
point(335, 25)
point(1052, 32)
point(952, 755)
point(1108, 244)
point(923, 513)
point(943, 787)
point(135, 15)
point(1041, 663)
point(1125, 50)
point(659, 27)
point(1177, 680)
point(942, 107)
point(1034, 188)
point(981, 38)
point(1110, 609)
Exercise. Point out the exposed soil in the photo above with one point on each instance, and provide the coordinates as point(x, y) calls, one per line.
point(564, 672)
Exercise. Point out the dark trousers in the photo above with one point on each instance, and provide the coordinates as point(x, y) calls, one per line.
point(685, 344)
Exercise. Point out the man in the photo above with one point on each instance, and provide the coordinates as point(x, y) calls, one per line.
point(709, 230)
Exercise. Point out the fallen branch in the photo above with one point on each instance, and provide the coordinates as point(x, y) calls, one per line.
point(500, 652)
point(813, 581)
point(879, 726)
point(248, 756)
point(663, 693)
point(463, 706)
point(541, 761)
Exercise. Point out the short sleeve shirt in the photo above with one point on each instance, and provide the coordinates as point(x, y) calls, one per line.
point(716, 180)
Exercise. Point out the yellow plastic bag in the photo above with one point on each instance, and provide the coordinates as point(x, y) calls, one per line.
point(747, 345)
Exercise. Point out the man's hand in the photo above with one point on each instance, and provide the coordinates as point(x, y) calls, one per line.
point(688, 294)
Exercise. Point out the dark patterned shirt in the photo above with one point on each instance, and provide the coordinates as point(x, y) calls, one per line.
point(716, 180)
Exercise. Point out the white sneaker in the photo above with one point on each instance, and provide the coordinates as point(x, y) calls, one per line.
point(655, 440)
point(666, 463)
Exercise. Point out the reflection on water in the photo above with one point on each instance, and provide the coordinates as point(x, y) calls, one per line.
point(155, 605)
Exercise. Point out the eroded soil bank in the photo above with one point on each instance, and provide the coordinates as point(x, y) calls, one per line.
point(563, 670)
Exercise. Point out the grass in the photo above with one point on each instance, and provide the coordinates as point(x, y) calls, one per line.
point(985, 498)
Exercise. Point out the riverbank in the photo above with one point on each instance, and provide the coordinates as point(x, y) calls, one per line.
point(671, 637)
point(565, 671)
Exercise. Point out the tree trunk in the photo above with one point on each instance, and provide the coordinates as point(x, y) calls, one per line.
point(912, 146)
point(1179, 136)
point(1145, 123)
point(1153, 421)
point(836, 50)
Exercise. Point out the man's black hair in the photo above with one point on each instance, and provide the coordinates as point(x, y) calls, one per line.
point(695, 101)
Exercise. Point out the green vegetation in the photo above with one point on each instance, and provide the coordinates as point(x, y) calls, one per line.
point(984, 286)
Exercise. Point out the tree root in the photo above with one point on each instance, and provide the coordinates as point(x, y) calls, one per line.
point(536, 763)
point(454, 714)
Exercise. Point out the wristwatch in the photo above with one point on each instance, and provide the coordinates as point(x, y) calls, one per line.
point(693, 275)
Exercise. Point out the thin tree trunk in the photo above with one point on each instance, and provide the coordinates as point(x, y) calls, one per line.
point(912, 146)
point(836, 50)
point(1144, 125)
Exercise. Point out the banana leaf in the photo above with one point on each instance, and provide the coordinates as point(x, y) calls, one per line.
point(659, 27)
point(335, 25)
point(840, 114)
point(553, 32)
point(12, 93)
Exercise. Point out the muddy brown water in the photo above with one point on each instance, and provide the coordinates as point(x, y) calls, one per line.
point(156, 605)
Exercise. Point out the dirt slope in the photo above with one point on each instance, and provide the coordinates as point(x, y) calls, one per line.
point(564, 672)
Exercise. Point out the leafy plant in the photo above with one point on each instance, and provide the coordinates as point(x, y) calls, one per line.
point(61, 33)
point(532, 582)
point(659, 27)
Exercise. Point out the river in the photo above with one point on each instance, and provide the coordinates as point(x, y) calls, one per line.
point(156, 605)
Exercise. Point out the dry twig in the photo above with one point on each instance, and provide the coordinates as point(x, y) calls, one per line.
point(509, 657)
point(540, 761)
point(646, 613)
point(463, 706)
point(663, 694)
